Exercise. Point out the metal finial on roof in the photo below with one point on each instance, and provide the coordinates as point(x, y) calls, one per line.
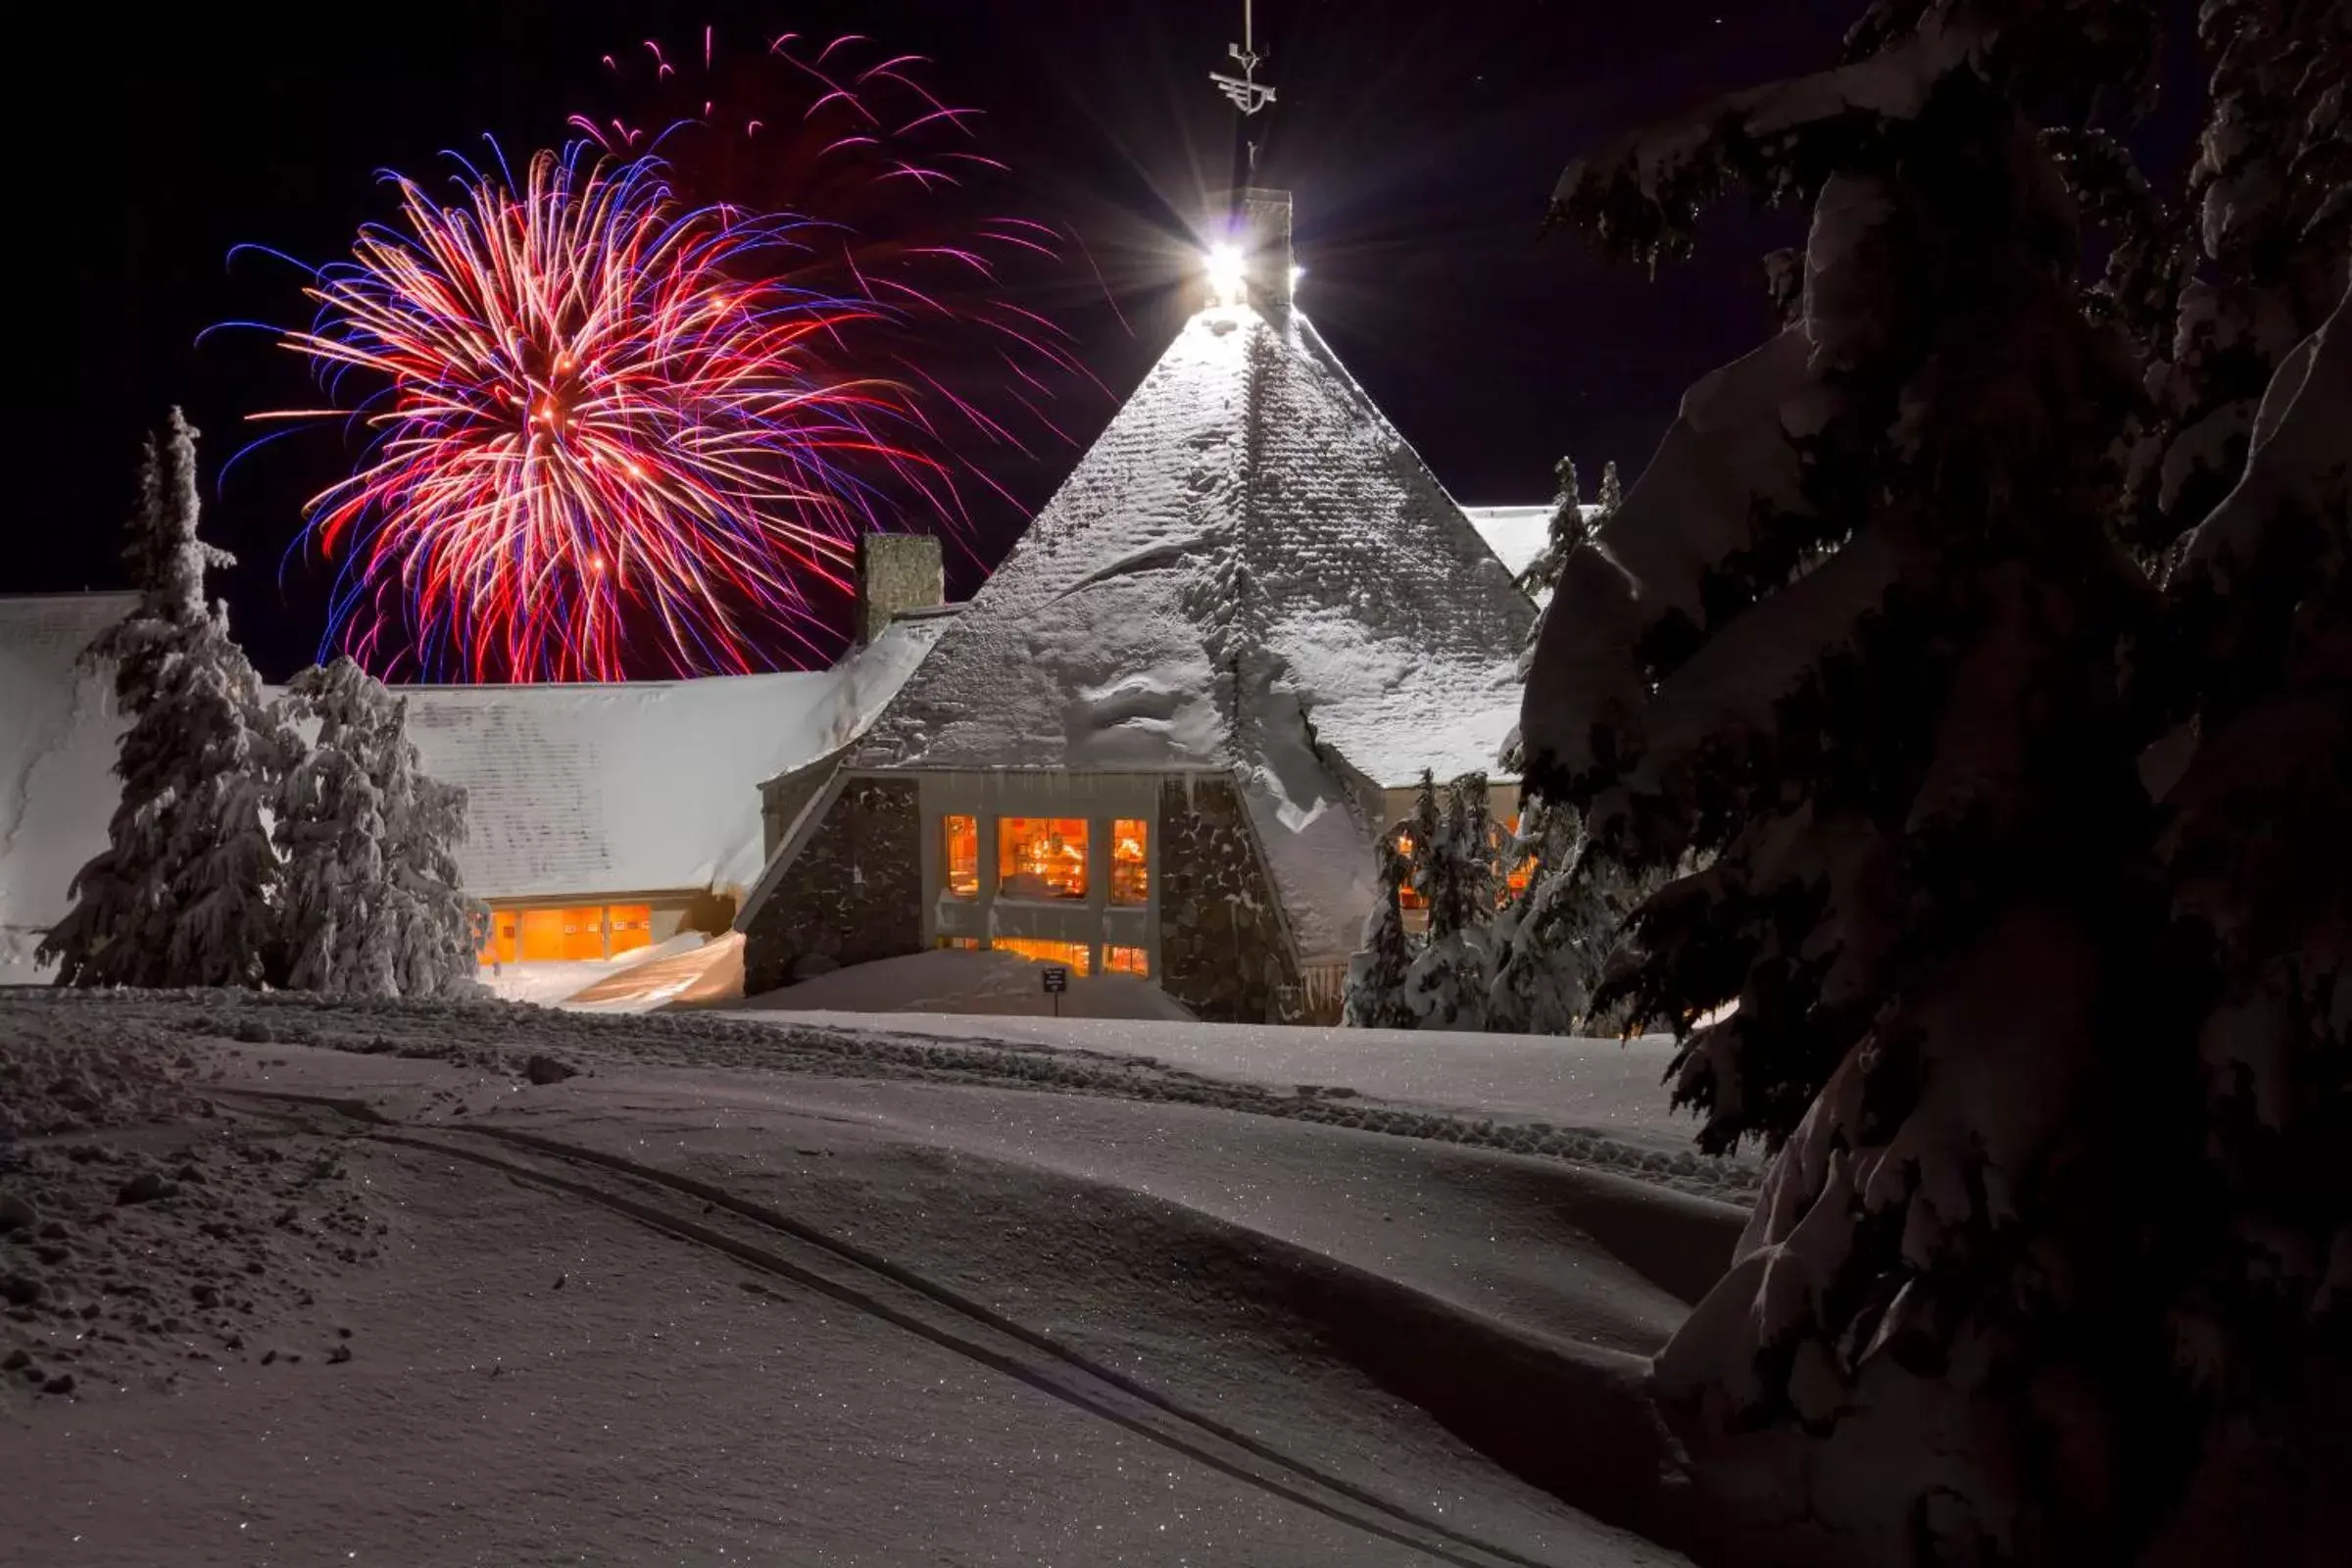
point(1245, 92)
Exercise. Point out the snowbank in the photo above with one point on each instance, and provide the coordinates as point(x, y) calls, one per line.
point(1603, 1085)
point(1373, 1351)
point(960, 982)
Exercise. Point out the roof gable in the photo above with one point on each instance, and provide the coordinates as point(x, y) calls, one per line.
point(1252, 570)
point(1249, 541)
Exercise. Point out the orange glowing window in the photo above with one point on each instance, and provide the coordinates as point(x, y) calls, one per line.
point(1127, 961)
point(1075, 954)
point(543, 936)
point(960, 856)
point(1407, 896)
point(501, 943)
point(631, 925)
point(960, 944)
point(1523, 869)
point(1130, 860)
point(587, 932)
point(1041, 858)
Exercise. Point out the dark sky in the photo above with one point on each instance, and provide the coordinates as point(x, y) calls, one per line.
point(1420, 140)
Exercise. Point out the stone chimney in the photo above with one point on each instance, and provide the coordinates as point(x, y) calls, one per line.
point(896, 572)
point(1265, 240)
point(1252, 260)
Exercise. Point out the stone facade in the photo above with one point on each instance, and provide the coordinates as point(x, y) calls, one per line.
point(854, 893)
point(896, 572)
point(1224, 949)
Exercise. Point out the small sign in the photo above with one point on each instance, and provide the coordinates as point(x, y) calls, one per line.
point(1058, 979)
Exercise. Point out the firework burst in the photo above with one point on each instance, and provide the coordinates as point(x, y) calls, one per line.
point(918, 214)
point(630, 412)
point(598, 411)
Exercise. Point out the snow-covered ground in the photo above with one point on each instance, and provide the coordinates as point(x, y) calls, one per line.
point(1602, 1086)
point(948, 981)
point(776, 1292)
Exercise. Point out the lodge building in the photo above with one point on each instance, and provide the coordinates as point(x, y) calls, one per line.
point(1160, 741)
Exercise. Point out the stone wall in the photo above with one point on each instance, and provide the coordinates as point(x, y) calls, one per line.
point(895, 574)
point(1223, 949)
point(853, 895)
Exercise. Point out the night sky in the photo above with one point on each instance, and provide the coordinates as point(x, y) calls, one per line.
point(1420, 140)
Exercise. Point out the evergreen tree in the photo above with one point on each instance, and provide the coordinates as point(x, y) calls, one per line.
point(435, 924)
point(1542, 982)
point(1568, 530)
point(2259, 1253)
point(330, 827)
point(373, 905)
point(1450, 977)
point(2254, 670)
point(183, 893)
point(2274, 230)
point(1612, 496)
point(1853, 635)
point(1376, 972)
point(1554, 942)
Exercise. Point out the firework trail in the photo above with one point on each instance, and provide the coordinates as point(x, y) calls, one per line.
point(916, 212)
point(630, 412)
point(599, 412)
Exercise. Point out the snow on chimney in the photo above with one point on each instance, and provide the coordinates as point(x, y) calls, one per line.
point(896, 572)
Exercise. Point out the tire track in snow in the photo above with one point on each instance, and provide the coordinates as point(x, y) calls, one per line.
point(1075, 1378)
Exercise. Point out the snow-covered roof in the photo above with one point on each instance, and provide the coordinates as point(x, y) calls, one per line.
point(57, 744)
point(645, 786)
point(1247, 503)
point(576, 790)
point(1516, 534)
point(1249, 570)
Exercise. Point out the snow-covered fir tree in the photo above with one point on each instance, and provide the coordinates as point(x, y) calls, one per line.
point(330, 828)
point(2272, 231)
point(1566, 530)
point(1447, 983)
point(1612, 494)
point(1554, 941)
point(1854, 634)
point(2253, 668)
point(1541, 984)
point(436, 924)
point(2258, 1258)
point(373, 902)
point(1376, 971)
point(185, 892)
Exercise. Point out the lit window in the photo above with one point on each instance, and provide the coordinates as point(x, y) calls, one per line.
point(1130, 864)
point(1523, 868)
point(503, 945)
point(1041, 858)
point(1407, 896)
point(1127, 961)
point(962, 856)
point(632, 926)
point(1072, 955)
point(960, 944)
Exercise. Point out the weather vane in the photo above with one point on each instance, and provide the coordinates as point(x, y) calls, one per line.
point(1245, 91)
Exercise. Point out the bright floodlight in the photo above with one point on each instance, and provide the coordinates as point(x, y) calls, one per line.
point(1223, 264)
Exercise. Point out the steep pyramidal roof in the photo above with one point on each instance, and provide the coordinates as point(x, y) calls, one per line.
point(1250, 546)
point(1251, 571)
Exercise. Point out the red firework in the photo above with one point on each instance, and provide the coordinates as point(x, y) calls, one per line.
point(630, 410)
point(916, 214)
point(600, 412)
